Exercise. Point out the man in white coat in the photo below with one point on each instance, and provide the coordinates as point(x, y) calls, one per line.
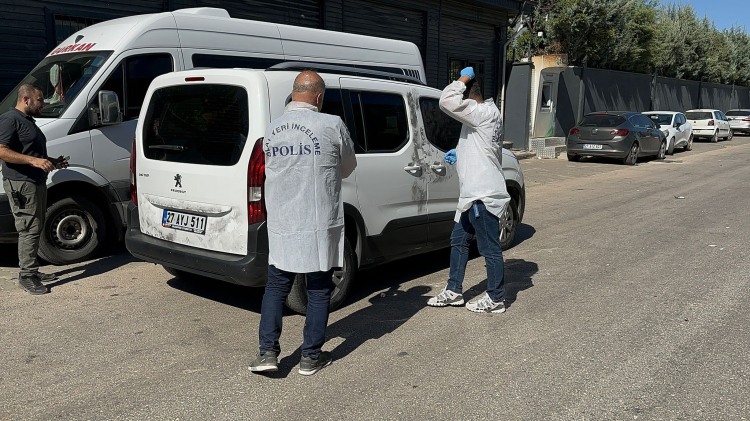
point(483, 196)
point(307, 155)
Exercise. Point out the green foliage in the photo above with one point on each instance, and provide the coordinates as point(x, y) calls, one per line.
point(637, 36)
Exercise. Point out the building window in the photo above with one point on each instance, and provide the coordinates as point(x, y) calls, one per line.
point(66, 26)
point(456, 65)
point(546, 104)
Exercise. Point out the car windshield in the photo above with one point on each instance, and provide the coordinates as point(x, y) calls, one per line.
point(661, 119)
point(61, 78)
point(602, 120)
point(699, 115)
point(738, 113)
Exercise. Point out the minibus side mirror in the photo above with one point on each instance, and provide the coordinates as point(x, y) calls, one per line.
point(108, 112)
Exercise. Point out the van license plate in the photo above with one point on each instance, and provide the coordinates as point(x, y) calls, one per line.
point(592, 146)
point(184, 222)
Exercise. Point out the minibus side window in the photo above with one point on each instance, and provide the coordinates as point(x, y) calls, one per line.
point(138, 72)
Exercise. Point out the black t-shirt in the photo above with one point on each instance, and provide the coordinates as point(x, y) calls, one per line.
point(20, 134)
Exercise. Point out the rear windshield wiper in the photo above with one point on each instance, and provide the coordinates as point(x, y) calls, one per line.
point(176, 148)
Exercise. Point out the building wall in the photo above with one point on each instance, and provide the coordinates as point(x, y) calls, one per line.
point(444, 30)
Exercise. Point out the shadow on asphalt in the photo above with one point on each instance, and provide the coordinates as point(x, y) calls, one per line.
point(93, 268)
point(518, 277)
point(523, 232)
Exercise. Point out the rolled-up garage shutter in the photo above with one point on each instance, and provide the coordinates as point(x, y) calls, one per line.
point(464, 40)
point(379, 20)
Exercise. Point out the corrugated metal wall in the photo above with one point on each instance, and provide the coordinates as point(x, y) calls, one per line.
point(291, 12)
point(27, 29)
point(374, 19)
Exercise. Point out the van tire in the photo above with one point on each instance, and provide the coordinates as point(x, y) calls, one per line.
point(72, 213)
point(297, 298)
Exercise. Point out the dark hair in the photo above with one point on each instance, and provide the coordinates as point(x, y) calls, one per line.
point(474, 89)
point(27, 90)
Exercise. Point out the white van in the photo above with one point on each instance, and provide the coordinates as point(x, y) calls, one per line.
point(94, 84)
point(198, 167)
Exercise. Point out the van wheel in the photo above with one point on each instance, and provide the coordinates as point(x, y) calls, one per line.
point(73, 231)
point(508, 225)
point(342, 283)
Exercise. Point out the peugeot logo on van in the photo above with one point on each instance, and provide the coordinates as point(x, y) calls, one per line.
point(178, 181)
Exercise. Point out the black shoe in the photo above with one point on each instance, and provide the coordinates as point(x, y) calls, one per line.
point(265, 362)
point(32, 284)
point(308, 366)
point(47, 277)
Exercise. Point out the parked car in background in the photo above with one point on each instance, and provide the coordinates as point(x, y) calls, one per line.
point(675, 127)
point(622, 135)
point(739, 121)
point(709, 124)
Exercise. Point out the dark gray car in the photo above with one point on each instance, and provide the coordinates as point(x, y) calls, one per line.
point(614, 134)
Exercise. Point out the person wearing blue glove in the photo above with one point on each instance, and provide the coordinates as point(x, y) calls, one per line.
point(450, 157)
point(469, 71)
point(483, 197)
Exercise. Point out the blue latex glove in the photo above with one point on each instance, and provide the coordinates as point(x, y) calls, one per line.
point(469, 71)
point(450, 157)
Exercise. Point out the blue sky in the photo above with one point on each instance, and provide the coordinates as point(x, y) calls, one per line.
point(724, 13)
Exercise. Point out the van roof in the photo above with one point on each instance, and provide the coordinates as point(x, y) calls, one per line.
point(158, 30)
point(272, 74)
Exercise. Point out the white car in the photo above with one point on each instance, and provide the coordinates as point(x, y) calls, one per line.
point(710, 124)
point(739, 120)
point(676, 128)
point(197, 173)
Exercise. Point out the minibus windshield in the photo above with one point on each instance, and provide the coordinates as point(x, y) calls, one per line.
point(61, 78)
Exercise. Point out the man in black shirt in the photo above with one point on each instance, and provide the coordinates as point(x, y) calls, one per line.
point(23, 150)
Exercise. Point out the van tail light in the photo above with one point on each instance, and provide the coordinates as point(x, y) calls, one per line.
point(619, 132)
point(256, 176)
point(711, 123)
point(574, 131)
point(133, 187)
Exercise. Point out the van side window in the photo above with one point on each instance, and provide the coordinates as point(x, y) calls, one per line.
point(133, 76)
point(332, 103)
point(384, 122)
point(231, 62)
point(441, 130)
point(140, 71)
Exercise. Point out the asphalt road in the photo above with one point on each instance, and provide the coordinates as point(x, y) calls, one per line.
point(628, 293)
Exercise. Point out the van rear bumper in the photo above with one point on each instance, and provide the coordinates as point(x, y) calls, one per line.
point(250, 270)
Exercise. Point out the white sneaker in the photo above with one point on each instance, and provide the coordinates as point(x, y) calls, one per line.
point(446, 298)
point(484, 304)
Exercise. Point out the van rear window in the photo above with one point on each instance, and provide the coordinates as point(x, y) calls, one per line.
point(203, 124)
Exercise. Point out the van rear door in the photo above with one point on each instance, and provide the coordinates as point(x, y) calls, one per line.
point(193, 148)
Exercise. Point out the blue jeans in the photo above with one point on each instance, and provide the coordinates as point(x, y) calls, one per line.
point(486, 228)
point(319, 287)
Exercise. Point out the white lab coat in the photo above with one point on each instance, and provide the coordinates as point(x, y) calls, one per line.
point(479, 151)
point(307, 155)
